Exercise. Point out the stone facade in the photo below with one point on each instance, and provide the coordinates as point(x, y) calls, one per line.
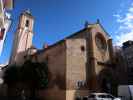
point(56, 60)
point(77, 65)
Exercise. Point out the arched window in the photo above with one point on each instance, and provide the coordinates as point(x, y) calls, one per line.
point(27, 23)
point(100, 42)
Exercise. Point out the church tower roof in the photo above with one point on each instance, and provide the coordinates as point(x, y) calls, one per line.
point(27, 12)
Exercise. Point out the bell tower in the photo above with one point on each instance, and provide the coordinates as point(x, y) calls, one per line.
point(23, 38)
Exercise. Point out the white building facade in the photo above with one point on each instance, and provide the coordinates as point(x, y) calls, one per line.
point(5, 20)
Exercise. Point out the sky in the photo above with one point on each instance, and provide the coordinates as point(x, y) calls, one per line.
point(56, 19)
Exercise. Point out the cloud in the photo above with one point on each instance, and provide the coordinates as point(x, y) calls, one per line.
point(125, 29)
point(124, 37)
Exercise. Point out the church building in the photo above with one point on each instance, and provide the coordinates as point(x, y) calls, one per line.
point(78, 64)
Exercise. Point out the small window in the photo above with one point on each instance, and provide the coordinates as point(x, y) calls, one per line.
point(27, 23)
point(78, 84)
point(82, 48)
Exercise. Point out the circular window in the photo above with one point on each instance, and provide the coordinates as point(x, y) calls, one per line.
point(100, 42)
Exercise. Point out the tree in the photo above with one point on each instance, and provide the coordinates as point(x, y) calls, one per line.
point(11, 74)
point(12, 78)
point(33, 75)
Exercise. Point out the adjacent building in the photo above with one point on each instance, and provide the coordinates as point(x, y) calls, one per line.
point(128, 57)
point(5, 23)
point(5, 20)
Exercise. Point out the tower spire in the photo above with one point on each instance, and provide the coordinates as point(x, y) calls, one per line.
point(28, 11)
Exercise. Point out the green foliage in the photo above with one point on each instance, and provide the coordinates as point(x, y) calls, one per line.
point(30, 73)
point(35, 73)
point(11, 74)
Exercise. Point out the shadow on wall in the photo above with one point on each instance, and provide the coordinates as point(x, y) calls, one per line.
point(77, 95)
point(81, 92)
point(27, 79)
point(108, 81)
point(56, 89)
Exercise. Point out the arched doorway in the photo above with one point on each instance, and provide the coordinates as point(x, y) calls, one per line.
point(108, 81)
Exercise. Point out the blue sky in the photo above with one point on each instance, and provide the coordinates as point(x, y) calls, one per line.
point(56, 19)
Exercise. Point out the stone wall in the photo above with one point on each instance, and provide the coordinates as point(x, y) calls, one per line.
point(98, 55)
point(56, 60)
point(73, 62)
point(76, 62)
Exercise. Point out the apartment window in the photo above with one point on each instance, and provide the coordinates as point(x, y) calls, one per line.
point(2, 33)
